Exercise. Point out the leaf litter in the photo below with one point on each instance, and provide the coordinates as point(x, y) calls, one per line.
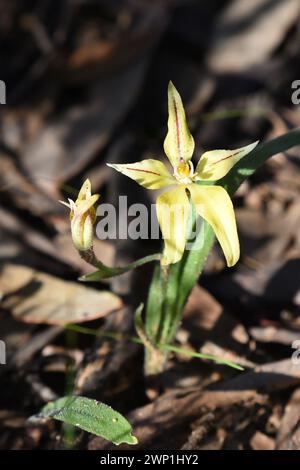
point(92, 89)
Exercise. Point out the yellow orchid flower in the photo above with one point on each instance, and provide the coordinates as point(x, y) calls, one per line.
point(82, 216)
point(211, 202)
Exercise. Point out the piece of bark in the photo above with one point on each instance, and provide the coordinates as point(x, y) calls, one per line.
point(273, 334)
point(111, 369)
point(267, 378)
point(171, 415)
point(288, 437)
point(35, 344)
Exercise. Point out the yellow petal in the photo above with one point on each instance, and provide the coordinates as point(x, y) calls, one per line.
point(85, 191)
point(215, 164)
point(82, 231)
point(178, 144)
point(87, 233)
point(215, 206)
point(151, 174)
point(83, 206)
point(172, 209)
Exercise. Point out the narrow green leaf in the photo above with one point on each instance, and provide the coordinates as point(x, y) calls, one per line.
point(105, 272)
point(91, 416)
point(209, 357)
point(162, 347)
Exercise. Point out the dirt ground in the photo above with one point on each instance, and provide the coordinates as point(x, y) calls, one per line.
point(86, 83)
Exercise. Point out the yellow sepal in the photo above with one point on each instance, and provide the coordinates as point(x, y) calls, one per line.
point(179, 144)
point(150, 173)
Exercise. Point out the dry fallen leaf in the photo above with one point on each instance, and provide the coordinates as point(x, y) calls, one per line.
point(35, 297)
point(245, 34)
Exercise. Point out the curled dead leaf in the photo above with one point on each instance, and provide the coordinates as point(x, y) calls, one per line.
point(36, 297)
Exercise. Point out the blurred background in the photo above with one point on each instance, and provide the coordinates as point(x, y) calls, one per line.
point(86, 83)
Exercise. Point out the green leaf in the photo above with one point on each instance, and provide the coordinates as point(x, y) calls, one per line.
point(91, 416)
point(105, 272)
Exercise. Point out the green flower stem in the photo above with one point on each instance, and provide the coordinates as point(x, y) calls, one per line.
point(192, 266)
point(154, 305)
point(167, 297)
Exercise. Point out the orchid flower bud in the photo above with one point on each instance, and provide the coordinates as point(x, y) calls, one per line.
point(82, 216)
